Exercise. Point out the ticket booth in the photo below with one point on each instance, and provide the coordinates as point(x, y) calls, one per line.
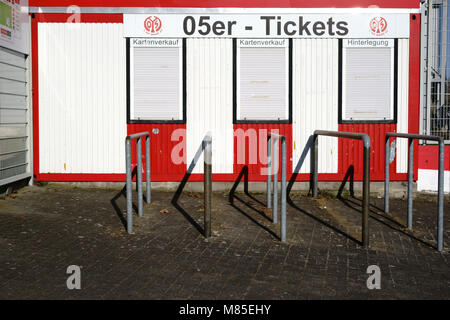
point(104, 70)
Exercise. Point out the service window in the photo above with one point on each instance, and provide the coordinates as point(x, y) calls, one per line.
point(156, 80)
point(262, 80)
point(368, 92)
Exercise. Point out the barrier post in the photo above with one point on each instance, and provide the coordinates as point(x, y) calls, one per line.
point(387, 158)
point(410, 181)
point(207, 185)
point(283, 190)
point(440, 222)
point(315, 166)
point(275, 181)
point(129, 186)
point(269, 170)
point(366, 195)
point(148, 168)
point(139, 175)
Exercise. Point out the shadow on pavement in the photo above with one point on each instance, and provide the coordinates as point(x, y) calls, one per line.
point(232, 195)
point(179, 191)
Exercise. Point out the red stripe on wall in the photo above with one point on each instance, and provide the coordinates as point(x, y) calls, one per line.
point(414, 83)
point(429, 157)
point(232, 3)
point(85, 17)
point(35, 79)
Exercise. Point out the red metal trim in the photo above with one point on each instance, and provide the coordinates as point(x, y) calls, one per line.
point(414, 84)
point(232, 3)
point(85, 17)
point(117, 177)
point(35, 92)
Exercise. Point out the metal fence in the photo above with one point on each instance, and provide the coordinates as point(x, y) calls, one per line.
point(440, 210)
point(138, 137)
point(436, 76)
point(366, 172)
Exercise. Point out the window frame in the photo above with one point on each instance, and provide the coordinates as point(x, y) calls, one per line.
point(129, 60)
point(341, 119)
point(236, 90)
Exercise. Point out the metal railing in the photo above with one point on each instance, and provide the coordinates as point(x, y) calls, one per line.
point(366, 172)
point(411, 138)
point(138, 137)
point(277, 138)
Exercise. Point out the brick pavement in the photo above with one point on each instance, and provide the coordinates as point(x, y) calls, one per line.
point(45, 229)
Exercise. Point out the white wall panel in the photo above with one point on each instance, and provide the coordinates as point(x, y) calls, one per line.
point(209, 100)
point(402, 106)
point(315, 100)
point(82, 98)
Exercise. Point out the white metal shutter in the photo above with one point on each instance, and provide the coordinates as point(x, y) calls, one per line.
point(157, 85)
point(14, 117)
point(263, 84)
point(368, 84)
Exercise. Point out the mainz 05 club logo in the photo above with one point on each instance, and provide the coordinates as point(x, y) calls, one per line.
point(152, 25)
point(378, 26)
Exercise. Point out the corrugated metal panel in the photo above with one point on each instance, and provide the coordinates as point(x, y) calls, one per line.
point(252, 151)
point(209, 104)
point(315, 99)
point(82, 98)
point(165, 139)
point(14, 127)
point(403, 106)
point(351, 151)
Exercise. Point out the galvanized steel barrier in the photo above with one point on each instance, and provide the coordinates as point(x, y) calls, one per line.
point(366, 172)
point(207, 184)
point(411, 138)
point(277, 138)
point(138, 137)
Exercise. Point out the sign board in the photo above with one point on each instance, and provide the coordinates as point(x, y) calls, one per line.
point(250, 25)
point(14, 25)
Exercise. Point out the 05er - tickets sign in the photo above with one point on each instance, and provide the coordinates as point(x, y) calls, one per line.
point(361, 25)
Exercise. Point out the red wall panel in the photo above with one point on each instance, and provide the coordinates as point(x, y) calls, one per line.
point(351, 151)
point(256, 170)
point(163, 167)
point(429, 157)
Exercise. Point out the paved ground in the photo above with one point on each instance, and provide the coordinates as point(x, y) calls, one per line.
point(43, 230)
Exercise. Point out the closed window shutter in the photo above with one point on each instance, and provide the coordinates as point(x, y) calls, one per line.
point(157, 84)
point(263, 84)
point(368, 84)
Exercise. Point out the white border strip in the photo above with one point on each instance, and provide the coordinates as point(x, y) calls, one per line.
point(136, 10)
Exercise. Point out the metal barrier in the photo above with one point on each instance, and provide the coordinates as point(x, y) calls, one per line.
point(366, 172)
point(277, 138)
point(138, 137)
point(411, 138)
point(207, 184)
